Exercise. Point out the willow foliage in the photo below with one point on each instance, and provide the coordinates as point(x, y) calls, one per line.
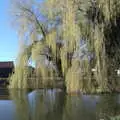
point(66, 24)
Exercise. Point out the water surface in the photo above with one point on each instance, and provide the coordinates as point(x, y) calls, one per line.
point(56, 105)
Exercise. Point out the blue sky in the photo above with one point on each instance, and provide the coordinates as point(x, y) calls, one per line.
point(8, 35)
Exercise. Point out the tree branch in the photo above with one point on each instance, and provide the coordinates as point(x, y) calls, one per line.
point(37, 21)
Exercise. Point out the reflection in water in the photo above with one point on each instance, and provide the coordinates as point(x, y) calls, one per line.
point(7, 110)
point(47, 105)
point(21, 101)
point(40, 104)
point(107, 106)
point(77, 109)
point(56, 105)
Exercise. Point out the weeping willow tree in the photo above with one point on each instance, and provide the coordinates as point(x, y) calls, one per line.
point(22, 71)
point(73, 30)
point(30, 30)
point(109, 11)
point(67, 39)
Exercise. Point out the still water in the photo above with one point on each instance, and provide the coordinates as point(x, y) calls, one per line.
point(56, 105)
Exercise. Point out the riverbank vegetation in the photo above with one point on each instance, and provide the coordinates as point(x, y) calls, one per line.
point(66, 39)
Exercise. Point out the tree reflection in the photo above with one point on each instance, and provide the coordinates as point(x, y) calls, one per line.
point(39, 104)
point(21, 101)
point(55, 105)
point(79, 107)
point(108, 106)
point(48, 105)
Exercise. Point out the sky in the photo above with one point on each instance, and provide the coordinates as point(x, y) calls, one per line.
point(8, 35)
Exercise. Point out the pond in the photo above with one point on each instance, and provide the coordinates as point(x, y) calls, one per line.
point(56, 105)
